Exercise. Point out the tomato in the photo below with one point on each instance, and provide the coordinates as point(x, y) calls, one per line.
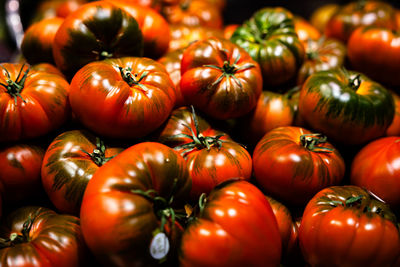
point(394, 128)
point(55, 8)
point(269, 37)
point(36, 236)
point(155, 29)
point(321, 15)
point(125, 98)
point(48, 68)
point(194, 13)
point(287, 228)
point(32, 103)
point(69, 163)
point(182, 35)
point(292, 164)
point(304, 30)
point(211, 156)
point(321, 54)
point(235, 227)
point(360, 13)
point(67, 7)
point(384, 45)
point(37, 43)
point(376, 168)
point(272, 110)
point(346, 226)
point(172, 63)
point(229, 30)
point(128, 201)
point(220, 78)
point(346, 106)
point(96, 31)
point(20, 171)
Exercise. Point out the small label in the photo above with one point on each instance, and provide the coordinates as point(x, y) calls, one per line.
point(159, 246)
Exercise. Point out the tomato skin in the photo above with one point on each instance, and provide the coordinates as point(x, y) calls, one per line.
point(56, 8)
point(224, 83)
point(20, 171)
point(172, 63)
point(46, 67)
point(375, 168)
point(54, 239)
point(304, 30)
point(334, 232)
point(384, 44)
point(236, 228)
point(321, 15)
point(117, 223)
point(155, 29)
point(347, 109)
point(193, 13)
point(37, 44)
point(107, 104)
point(272, 110)
point(182, 35)
point(321, 54)
point(45, 108)
point(208, 167)
point(288, 170)
point(81, 39)
point(277, 49)
point(229, 30)
point(394, 128)
point(67, 151)
point(362, 13)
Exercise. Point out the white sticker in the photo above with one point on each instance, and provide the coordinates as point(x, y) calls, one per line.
point(159, 246)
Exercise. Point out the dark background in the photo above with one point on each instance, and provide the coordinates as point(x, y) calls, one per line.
point(236, 12)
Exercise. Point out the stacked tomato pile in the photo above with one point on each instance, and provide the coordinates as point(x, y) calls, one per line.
point(147, 133)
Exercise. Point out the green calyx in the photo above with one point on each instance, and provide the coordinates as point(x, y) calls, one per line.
point(14, 88)
point(132, 78)
point(98, 155)
point(312, 142)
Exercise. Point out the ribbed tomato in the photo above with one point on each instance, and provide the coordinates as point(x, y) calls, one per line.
point(292, 164)
point(235, 227)
point(124, 97)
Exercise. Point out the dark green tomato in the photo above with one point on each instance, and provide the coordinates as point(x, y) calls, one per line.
point(95, 31)
point(347, 226)
point(131, 198)
point(346, 106)
point(69, 163)
point(270, 39)
point(39, 237)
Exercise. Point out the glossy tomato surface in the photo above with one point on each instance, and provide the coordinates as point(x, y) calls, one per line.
point(129, 200)
point(292, 164)
point(220, 78)
point(346, 106)
point(124, 97)
point(69, 163)
point(32, 103)
point(236, 227)
point(346, 226)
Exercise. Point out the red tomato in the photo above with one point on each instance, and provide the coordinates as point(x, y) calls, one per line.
point(236, 227)
point(32, 103)
point(124, 98)
point(39, 237)
point(345, 226)
point(394, 128)
point(37, 44)
point(211, 156)
point(292, 164)
point(229, 30)
point(20, 171)
point(155, 29)
point(304, 30)
point(376, 168)
point(129, 200)
point(376, 52)
point(220, 78)
point(68, 165)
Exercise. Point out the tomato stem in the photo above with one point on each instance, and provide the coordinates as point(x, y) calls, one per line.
point(131, 78)
point(15, 238)
point(312, 142)
point(99, 153)
point(14, 88)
